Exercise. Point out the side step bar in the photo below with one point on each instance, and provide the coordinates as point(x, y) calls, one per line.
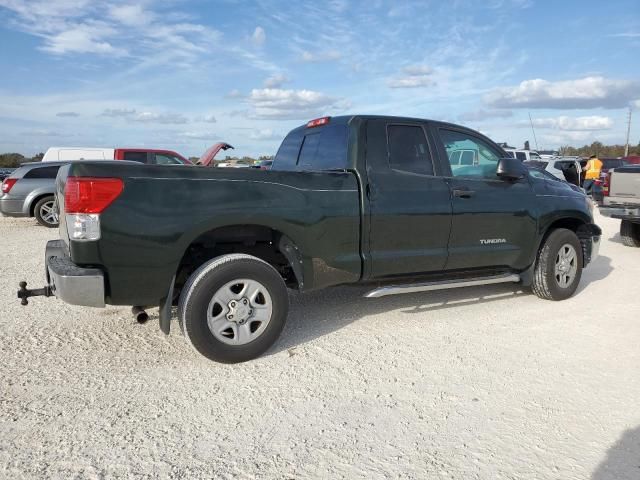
point(443, 285)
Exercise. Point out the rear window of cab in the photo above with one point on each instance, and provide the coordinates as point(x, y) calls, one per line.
point(323, 148)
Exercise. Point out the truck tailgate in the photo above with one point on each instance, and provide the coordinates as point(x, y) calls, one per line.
point(624, 186)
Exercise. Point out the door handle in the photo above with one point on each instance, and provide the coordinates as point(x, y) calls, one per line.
point(463, 193)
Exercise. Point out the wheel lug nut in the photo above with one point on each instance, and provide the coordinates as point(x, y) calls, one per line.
point(233, 304)
point(244, 301)
point(230, 317)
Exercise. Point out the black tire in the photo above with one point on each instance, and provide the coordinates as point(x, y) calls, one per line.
point(43, 216)
point(546, 284)
point(630, 233)
point(212, 277)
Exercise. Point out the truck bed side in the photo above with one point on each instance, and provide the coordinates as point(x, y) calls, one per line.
point(162, 211)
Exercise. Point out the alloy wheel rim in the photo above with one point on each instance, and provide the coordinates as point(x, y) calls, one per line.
point(48, 212)
point(239, 311)
point(566, 265)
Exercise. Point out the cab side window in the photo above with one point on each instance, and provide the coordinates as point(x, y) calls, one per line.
point(165, 159)
point(470, 156)
point(408, 149)
point(140, 157)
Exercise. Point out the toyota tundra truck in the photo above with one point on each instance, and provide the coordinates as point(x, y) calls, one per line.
point(621, 200)
point(398, 204)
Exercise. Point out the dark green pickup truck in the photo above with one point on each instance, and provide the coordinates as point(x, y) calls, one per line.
point(402, 204)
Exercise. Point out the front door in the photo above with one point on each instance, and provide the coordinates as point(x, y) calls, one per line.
point(493, 224)
point(410, 206)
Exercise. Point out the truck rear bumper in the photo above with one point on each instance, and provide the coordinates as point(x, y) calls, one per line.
point(70, 283)
point(621, 212)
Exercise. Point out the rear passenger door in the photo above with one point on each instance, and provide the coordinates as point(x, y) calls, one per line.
point(493, 223)
point(410, 206)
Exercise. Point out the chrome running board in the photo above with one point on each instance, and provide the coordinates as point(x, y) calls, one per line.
point(442, 285)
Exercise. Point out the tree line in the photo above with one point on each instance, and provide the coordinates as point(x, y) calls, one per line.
point(13, 160)
point(599, 149)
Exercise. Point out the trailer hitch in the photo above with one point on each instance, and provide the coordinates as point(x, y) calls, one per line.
point(25, 293)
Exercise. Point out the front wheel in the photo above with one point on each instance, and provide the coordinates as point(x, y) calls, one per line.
point(559, 266)
point(46, 212)
point(233, 308)
point(630, 233)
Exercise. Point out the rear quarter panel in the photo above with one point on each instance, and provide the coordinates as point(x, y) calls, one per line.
point(147, 230)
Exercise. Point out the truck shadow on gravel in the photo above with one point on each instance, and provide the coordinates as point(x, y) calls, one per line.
point(598, 270)
point(316, 314)
point(623, 459)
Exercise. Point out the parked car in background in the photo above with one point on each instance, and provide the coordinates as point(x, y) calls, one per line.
point(541, 174)
point(522, 154)
point(352, 199)
point(567, 169)
point(621, 200)
point(29, 192)
point(142, 155)
point(5, 172)
point(547, 154)
point(263, 164)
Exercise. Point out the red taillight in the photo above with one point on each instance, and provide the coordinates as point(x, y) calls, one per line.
point(606, 186)
point(90, 195)
point(318, 122)
point(8, 184)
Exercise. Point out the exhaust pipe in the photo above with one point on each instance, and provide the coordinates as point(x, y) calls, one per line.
point(140, 315)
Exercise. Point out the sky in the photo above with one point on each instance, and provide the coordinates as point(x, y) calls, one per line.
point(185, 74)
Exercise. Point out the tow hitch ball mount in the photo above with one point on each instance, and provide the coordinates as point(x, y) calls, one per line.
point(25, 293)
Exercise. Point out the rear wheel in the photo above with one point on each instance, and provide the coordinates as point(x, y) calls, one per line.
point(233, 308)
point(46, 212)
point(630, 233)
point(559, 266)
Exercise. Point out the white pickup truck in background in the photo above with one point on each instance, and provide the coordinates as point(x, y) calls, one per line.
point(621, 199)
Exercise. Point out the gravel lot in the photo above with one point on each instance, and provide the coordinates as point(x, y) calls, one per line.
point(481, 383)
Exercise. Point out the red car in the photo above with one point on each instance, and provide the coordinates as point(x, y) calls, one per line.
point(150, 156)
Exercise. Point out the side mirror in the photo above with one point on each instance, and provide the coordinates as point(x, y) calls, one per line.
point(511, 169)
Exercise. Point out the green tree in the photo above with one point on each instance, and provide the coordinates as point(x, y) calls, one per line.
point(11, 160)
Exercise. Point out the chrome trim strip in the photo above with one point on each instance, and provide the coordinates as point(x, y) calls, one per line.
point(443, 285)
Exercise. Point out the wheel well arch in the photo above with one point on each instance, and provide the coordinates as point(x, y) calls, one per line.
point(265, 243)
point(582, 228)
point(35, 200)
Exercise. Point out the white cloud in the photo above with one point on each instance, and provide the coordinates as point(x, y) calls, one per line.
point(588, 92)
point(83, 38)
point(198, 136)
point(264, 134)
point(84, 27)
point(292, 104)
point(589, 123)
point(276, 80)
point(131, 15)
point(482, 114)
point(413, 76)
point(259, 36)
point(209, 119)
point(146, 117)
point(317, 57)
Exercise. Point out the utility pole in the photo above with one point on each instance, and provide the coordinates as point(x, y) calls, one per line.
point(626, 147)
point(534, 132)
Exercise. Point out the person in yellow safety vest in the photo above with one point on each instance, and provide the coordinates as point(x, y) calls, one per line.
point(592, 173)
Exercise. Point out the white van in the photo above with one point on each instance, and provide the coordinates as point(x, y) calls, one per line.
point(57, 154)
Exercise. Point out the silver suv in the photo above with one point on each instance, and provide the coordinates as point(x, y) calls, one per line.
point(29, 192)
